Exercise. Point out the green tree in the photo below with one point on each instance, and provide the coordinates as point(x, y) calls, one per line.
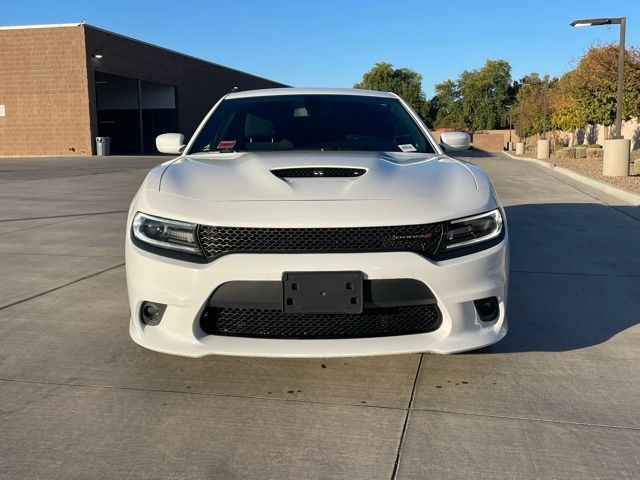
point(404, 82)
point(529, 104)
point(566, 113)
point(528, 107)
point(485, 94)
point(594, 84)
point(446, 106)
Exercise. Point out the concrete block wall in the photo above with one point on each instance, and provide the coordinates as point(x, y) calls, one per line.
point(43, 87)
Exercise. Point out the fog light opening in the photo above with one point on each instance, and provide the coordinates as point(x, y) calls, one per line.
point(151, 313)
point(488, 308)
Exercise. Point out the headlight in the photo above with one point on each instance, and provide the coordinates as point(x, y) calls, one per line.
point(165, 233)
point(469, 231)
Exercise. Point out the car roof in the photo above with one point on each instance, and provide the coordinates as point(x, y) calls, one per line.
point(268, 92)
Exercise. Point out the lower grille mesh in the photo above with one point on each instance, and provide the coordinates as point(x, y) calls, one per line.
point(276, 324)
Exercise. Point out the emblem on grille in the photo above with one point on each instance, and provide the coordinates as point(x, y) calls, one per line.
point(420, 236)
point(318, 173)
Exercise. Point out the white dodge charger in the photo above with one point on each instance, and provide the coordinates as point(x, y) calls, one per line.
point(315, 223)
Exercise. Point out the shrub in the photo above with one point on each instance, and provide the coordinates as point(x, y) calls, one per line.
point(581, 152)
point(569, 152)
point(563, 152)
point(594, 153)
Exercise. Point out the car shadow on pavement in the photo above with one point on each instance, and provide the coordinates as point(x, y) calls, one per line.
point(575, 276)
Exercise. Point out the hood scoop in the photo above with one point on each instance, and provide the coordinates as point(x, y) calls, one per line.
point(318, 172)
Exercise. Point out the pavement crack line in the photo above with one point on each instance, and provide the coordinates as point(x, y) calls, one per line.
point(396, 465)
point(77, 280)
point(205, 394)
point(86, 173)
point(6, 232)
point(49, 254)
point(62, 216)
point(530, 419)
point(53, 195)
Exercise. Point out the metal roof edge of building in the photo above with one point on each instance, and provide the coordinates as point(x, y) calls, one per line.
point(44, 25)
point(86, 25)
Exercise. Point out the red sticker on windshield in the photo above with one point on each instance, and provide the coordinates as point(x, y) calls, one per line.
point(226, 144)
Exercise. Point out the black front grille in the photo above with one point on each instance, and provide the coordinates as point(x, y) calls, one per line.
point(381, 322)
point(423, 239)
point(318, 172)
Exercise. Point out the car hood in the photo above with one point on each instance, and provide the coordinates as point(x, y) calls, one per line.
point(248, 176)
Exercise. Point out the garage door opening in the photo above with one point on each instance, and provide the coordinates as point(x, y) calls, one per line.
point(133, 112)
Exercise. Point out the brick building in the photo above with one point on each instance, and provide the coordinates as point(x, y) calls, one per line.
point(63, 85)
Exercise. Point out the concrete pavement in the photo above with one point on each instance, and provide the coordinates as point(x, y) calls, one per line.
point(558, 398)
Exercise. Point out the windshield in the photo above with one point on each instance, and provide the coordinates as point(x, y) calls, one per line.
point(311, 122)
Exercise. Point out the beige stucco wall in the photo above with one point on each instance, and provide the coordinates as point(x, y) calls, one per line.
point(598, 133)
point(584, 136)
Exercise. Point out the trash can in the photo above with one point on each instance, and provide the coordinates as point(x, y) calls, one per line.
point(103, 146)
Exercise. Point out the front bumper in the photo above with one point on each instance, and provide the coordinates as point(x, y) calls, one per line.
point(185, 288)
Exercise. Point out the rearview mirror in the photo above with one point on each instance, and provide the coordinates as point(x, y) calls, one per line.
point(170, 143)
point(455, 141)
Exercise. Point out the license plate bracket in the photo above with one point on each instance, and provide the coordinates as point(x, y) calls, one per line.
point(322, 292)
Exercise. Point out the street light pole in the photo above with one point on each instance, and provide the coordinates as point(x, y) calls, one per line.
point(623, 27)
point(544, 116)
point(616, 159)
point(622, 21)
point(510, 126)
point(510, 110)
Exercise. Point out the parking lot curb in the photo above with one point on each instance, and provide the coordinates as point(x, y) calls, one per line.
point(620, 193)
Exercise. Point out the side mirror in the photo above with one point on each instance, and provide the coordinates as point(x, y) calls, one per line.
point(455, 141)
point(170, 143)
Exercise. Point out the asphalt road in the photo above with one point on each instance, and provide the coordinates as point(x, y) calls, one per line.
point(558, 398)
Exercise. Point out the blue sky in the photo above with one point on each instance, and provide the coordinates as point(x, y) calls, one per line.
point(331, 43)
